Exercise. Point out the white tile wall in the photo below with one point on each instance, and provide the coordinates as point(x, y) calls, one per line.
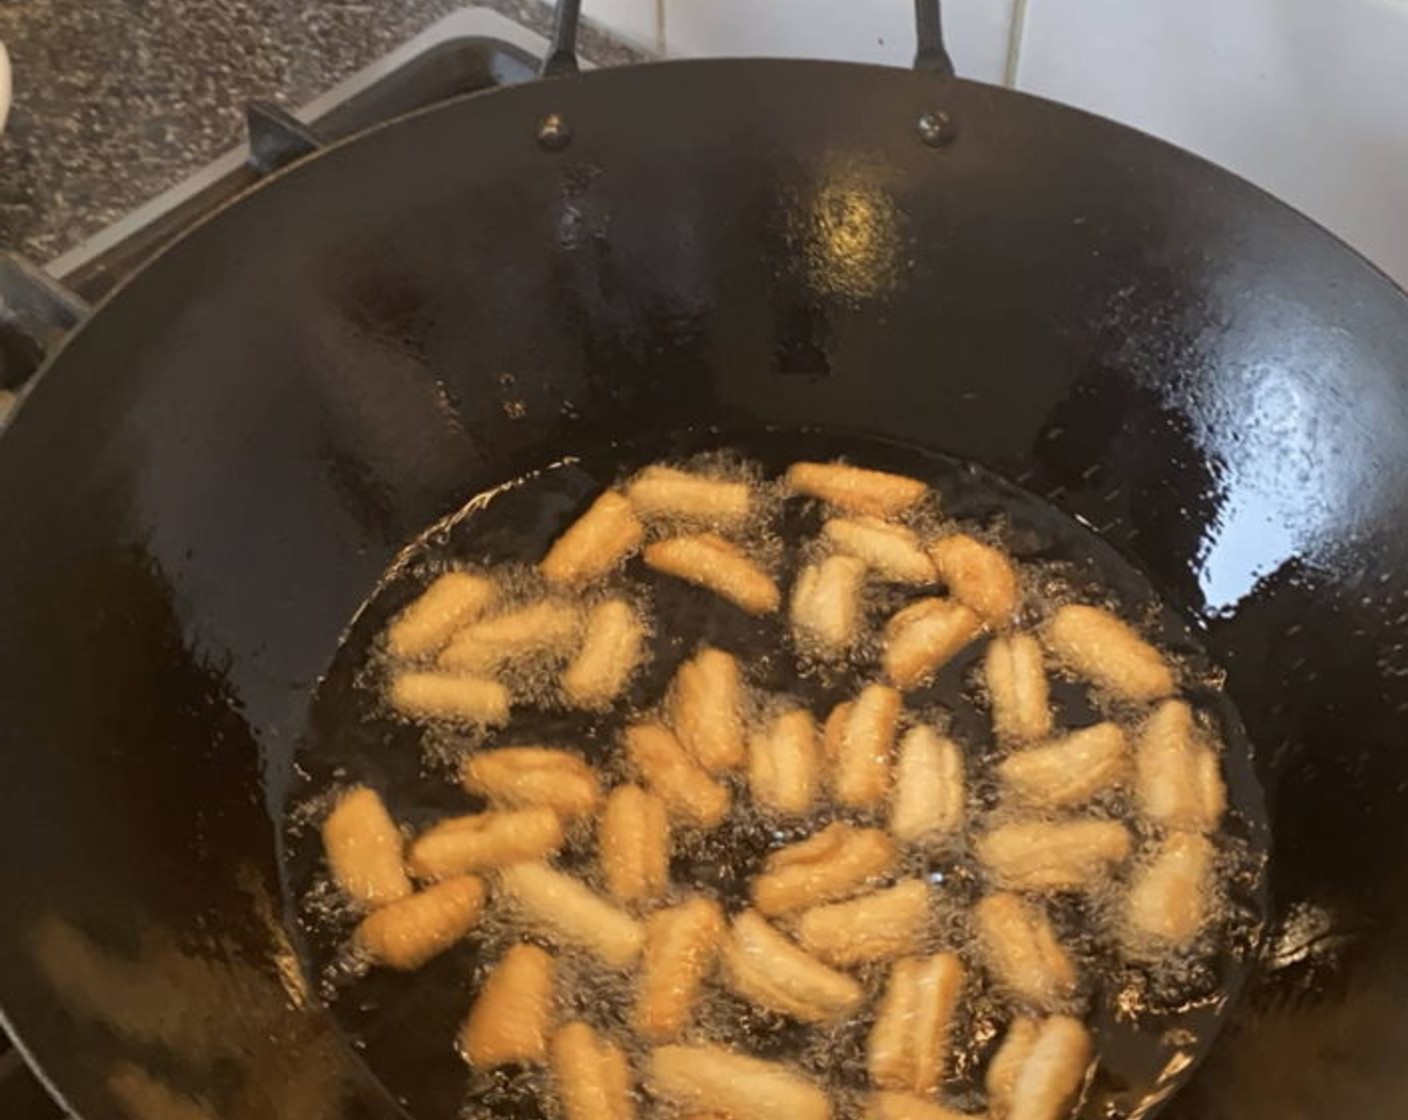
point(859, 30)
point(1307, 98)
point(636, 21)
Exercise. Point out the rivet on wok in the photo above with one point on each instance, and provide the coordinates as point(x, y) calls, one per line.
point(935, 128)
point(553, 133)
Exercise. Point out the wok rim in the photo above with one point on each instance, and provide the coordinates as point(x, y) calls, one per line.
point(539, 89)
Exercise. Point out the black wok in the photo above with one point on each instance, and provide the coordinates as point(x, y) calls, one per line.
point(217, 466)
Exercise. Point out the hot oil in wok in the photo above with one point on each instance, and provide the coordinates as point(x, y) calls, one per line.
point(1151, 1023)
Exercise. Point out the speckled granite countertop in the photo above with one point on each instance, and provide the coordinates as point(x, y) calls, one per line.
point(116, 100)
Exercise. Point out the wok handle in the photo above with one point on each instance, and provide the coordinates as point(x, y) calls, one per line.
point(562, 52)
point(930, 55)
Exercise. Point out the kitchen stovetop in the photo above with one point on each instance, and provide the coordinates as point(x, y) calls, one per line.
point(118, 100)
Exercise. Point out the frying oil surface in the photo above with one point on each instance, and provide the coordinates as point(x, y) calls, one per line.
point(1151, 1021)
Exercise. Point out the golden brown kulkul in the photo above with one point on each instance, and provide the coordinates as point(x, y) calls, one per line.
point(1108, 652)
point(923, 636)
point(451, 697)
point(930, 788)
point(708, 561)
point(406, 934)
point(784, 763)
point(978, 575)
point(634, 843)
point(700, 1078)
point(451, 602)
point(613, 646)
point(595, 543)
point(875, 926)
point(856, 489)
point(522, 777)
point(681, 944)
point(567, 910)
point(462, 844)
point(909, 1042)
point(511, 1017)
point(766, 968)
point(363, 847)
point(667, 771)
point(860, 739)
point(592, 1076)
point(705, 706)
point(836, 862)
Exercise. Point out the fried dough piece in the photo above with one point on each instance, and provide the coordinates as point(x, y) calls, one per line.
point(455, 697)
point(874, 493)
point(870, 928)
point(461, 844)
point(744, 1088)
point(634, 840)
point(675, 495)
point(922, 636)
point(860, 740)
point(1107, 651)
point(890, 551)
point(449, 603)
point(1069, 770)
point(706, 710)
point(570, 911)
point(708, 561)
point(521, 777)
point(784, 763)
point(905, 1106)
point(1007, 1063)
point(835, 863)
point(1178, 777)
point(363, 847)
point(612, 648)
point(1051, 1077)
point(930, 790)
point(512, 1015)
point(674, 777)
point(681, 944)
point(1168, 899)
point(406, 934)
point(595, 543)
point(592, 1076)
point(979, 576)
point(1022, 952)
point(909, 1042)
point(546, 629)
point(1043, 855)
point(767, 969)
point(1016, 680)
point(826, 606)
point(833, 731)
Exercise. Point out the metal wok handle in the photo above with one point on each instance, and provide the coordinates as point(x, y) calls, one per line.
point(930, 55)
point(562, 52)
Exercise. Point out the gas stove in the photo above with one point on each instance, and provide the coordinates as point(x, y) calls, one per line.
point(469, 50)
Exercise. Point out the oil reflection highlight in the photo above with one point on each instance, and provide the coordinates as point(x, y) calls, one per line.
point(853, 234)
point(1275, 495)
